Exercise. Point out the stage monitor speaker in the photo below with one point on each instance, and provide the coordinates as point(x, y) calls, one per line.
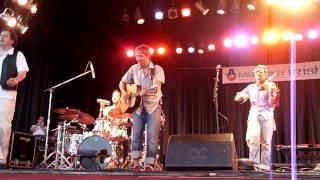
point(22, 150)
point(201, 152)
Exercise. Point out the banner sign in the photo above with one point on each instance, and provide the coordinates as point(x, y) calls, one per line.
point(281, 72)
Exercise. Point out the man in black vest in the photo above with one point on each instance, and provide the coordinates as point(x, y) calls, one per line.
point(13, 70)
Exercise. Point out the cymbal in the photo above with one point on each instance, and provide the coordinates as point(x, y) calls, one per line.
point(64, 111)
point(74, 114)
point(117, 114)
point(68, 117)
point(85, 118)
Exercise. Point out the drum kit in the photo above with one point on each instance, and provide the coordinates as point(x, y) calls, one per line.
point(105, 146)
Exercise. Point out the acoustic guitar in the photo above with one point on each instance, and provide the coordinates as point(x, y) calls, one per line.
point(133, 101)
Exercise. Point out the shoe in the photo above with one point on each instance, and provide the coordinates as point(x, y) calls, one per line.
point(137, 168)
point(149, 168)
point(3, 166)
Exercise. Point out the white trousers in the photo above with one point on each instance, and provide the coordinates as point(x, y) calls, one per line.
point(260, 132)
point(7, 107)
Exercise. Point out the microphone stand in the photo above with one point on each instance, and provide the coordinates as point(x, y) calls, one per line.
point(215, 99)
point(51, 90)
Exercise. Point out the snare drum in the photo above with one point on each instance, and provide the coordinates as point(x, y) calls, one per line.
point(74, 142)
point(100, 126)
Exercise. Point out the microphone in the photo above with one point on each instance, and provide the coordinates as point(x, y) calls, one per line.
point(92, 70)
point(272, 76)
point(106, 102)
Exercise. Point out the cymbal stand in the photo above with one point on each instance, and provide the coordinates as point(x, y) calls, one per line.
point(60, 161)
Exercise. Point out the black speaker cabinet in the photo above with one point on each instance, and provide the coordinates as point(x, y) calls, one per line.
point(201, 152)
point(22, 150)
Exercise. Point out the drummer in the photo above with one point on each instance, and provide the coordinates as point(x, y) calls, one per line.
point(115, 103)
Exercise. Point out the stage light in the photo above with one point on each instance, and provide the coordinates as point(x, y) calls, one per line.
point(33, 9)
point(191, 49)
point(158, 15)
point(271, 2)
point(138, 16)
point(179, 50)
point(241, 40)
point(186, 12)
point(254, 40)
point(221, 7)
point(227, 42)
point(211, 47)
point(151, 50)
point(27, 4)
point(252, 5)
point(270, 37)
point(22, 2)
point(9, 17)
point(294, 5)
point(312, 34)
point(130, 53)
point(140, 21)
point(200, 51)
point(298, 37)
point(199, 5)
point(22, 28)
point(173, 13)
point(161, 50)
point(20, 25)
point(12, 22)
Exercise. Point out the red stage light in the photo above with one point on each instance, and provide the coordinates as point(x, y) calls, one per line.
point(179, 50)
point(191, 49)
point(161, 50)
point(130, 53)
point(186, 12)
point(227, 42)
point(211, 47)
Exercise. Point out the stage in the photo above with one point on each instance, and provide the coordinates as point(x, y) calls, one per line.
point(22, 174)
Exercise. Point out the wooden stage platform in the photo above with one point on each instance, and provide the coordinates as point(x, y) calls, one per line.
point(47, 174)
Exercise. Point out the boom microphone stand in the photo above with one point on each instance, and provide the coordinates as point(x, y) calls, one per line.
point(215, 98)
point(51, 90)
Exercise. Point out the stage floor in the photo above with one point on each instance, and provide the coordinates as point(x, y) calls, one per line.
point(48, 174)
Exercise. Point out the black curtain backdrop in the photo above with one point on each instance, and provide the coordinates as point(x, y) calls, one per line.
point(57, 51)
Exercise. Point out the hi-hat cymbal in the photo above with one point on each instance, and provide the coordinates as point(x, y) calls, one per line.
point(117, 114)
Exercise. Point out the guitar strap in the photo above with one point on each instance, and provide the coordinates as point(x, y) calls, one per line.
point(152, 74)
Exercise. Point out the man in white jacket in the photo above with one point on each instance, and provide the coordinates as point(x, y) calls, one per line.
point(13, 70)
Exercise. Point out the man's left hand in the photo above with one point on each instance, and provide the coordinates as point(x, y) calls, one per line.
point(12, 82)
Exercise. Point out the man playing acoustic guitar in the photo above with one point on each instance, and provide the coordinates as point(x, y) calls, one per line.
point(148, 79)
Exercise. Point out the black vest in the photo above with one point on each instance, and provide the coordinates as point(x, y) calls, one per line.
point(9, 70)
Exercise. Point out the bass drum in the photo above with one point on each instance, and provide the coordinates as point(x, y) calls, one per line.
point(95, 152)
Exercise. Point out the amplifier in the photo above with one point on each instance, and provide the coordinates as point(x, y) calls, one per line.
point(201, 152)
point(22, 150)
